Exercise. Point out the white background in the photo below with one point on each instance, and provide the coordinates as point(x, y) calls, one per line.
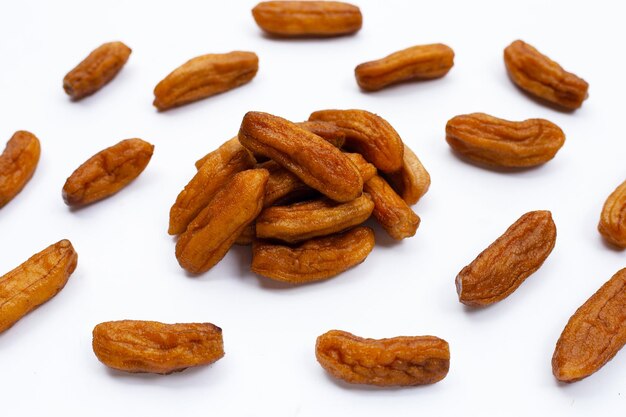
point(500, 356)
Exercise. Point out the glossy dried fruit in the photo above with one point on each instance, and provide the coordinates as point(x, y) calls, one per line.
point(368, 134)
point(307, 18)
point(543, 78)
point(412, 181)
point(421, 62)
point(316, 162)
point(390, 210)
point(205, 76)
point(35, 281)
point(95, 71)
point(508, 261)
point(209, 236)
point(217, 169)
point(150, 346)
point(310, 219)
point(17, 164)
point(313, 260)
point(594, 334)
point(612, 224)
point(107, 172)
point(490, 141)
point(398, 361)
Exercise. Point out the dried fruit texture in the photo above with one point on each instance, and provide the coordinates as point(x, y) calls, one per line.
point(330, 132)
point(35, 281)
point(313, 260)
point(398, 361)
point(247, 236)
point(390, 210)
point(315, 161)
point(17, 164)
point(594, 334)
point(95, 71)
point(327, 131)
point(107, 172)
point(281, 184)
point(612, 224)
point(494, 142)
point(541, 77)
point(508, 261)
point(209, 236)
point(284, 186)
point(421, 62)
point(412, 181)
point(307, 18)
point(310, 219)
point(205, 76)
point(217, 169)
point(368, 134)
point(150, 346)
point(366, 169)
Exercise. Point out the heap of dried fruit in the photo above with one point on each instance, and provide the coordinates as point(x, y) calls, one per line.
point(302, 205)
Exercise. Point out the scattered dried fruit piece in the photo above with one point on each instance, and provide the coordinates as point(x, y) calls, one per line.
point(17, 164)
point(490, 141)
point(307, 18)
point(150, 346)
point(421, 62)
point(35, 281)
point(368, 134)
point(612, 224)
point(398, 361)
point(302, 221)
point(508, 261)
point(412, 181)
point(540, 76)
point(316, 162)
point(390, 210)
point(95, 71)
point(205, 76)
point(209, 236)
point(594, 334)
point(107, 172)
point(312, 260)
point(217, 169)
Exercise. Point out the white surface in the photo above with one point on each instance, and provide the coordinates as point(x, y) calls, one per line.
point(500, 355)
